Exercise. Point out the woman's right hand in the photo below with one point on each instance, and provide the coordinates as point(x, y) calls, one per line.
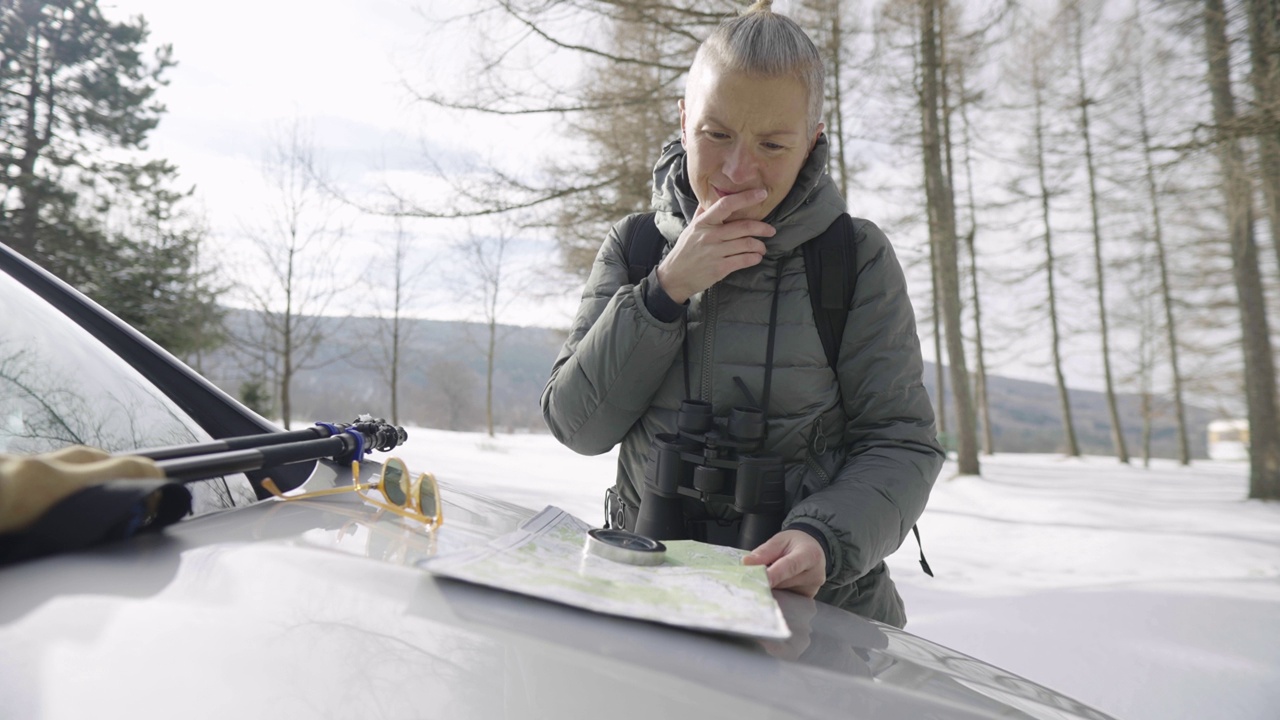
point(712, 247)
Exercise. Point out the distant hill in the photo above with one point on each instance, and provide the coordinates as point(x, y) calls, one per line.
point(1026, 417)
point(442, 383)
point(443, 386)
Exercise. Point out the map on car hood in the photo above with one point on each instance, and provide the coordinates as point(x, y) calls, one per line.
point(699, 586)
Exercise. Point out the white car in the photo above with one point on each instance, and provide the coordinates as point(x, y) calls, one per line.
point(258, 608)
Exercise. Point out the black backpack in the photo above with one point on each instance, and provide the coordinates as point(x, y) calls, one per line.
point(830, 264)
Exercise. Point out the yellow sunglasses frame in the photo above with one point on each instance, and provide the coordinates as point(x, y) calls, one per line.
point(412, 489)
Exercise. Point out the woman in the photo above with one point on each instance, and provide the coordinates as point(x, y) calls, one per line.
point(729, 306)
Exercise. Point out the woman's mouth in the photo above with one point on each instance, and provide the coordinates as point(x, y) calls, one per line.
point(726, 193)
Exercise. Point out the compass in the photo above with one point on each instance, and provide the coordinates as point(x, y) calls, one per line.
point(625, 547)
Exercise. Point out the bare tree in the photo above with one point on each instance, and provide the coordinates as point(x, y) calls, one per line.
point(979, 349)
point(849, 58)
point(492, 282)
point(634, 113)
point(1075, 16)
point(399, 277)
point(620, 109)
point(1142, 310)
point(1038, 81)
point(1264, 76)
point(1237, 187)
point(936, 319)
point(1157, 237)
point(298, 251)
point(942, 225)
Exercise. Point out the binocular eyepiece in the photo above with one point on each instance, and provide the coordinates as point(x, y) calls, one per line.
point(744, 427)
point(713, 460)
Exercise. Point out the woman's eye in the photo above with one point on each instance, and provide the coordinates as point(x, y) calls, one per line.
point(773, 146)
point(716, 135)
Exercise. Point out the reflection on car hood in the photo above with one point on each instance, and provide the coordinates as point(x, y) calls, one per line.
point(315, 608)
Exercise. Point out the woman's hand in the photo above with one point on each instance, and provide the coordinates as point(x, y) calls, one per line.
point(710, 248)
point(795, 562)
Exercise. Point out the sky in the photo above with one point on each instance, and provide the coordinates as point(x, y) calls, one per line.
point(344, 72)
point(1148, 594)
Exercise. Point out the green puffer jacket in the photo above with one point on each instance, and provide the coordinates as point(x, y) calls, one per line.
point(620, 379)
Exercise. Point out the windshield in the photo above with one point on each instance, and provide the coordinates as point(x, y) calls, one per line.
point(59, 386)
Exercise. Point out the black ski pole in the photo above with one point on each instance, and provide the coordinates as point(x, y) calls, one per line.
point(341, 442)
point(341, 447)
point(378, 435)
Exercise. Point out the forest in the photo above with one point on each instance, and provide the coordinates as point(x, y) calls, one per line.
point(1084, 191)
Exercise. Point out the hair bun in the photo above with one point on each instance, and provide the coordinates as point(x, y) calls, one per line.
point(760, 6)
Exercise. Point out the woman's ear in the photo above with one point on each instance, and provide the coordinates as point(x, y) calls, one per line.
point(680, 104)
point(817, 134)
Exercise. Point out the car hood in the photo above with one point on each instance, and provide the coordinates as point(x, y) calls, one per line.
point(316, 608)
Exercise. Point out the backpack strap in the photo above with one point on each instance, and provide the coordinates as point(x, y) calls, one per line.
point(642, 247)
point(830, 262)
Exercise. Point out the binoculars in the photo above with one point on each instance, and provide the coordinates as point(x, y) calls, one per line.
point(713, 460)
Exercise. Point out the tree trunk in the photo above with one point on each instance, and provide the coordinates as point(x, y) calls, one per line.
point(1068, 427)
point(942, 226)
point(1259, 365)
point(837, 94)
point(1117, 430)
point(980, 386)
point(488, 395)
point(286, 344)
point(395, 360)
point(1166, 293)
point(29, 216)
point(286, 380)
point(944, 97)
point(1146, 428)
point(939, 378)
point(1264, 54)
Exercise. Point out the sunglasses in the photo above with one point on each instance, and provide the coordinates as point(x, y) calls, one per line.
point(413, 498)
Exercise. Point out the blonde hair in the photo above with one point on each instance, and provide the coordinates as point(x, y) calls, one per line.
point(761, 42)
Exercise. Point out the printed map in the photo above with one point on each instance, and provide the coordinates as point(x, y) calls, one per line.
point(699, 586)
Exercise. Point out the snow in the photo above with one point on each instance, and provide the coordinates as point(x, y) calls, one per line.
point(1148, 593)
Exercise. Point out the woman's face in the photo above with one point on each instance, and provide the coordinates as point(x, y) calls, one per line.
point(743, 132)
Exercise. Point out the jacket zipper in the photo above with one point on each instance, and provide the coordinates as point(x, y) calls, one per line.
point(708, 340)
point(811, 451)
point(811, 462)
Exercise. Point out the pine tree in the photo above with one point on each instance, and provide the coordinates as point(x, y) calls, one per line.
point(71, 83)
point(152, 277)
point(74, 88)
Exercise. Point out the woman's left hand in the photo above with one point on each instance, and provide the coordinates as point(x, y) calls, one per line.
point(795, 562)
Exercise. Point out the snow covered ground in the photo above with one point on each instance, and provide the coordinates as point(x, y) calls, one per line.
point(1148, 593)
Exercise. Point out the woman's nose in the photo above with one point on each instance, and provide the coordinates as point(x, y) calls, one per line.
point(739, 165)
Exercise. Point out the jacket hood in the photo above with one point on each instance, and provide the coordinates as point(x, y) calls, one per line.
point(812, 205)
